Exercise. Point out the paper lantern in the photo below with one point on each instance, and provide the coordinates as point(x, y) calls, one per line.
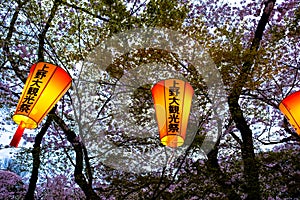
point(172, 101)
point(290, 107)
point(45, 85)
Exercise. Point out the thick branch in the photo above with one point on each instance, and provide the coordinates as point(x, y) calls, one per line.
point(79, 151)
point(38, 139)
point(219, 176)
point(288, 130)
point(9, 35)
point(287, 139)
point(36, 151)
point(158, 193)
point(214, 167)
point(42, 36)
point(269, 5)
point(88, 166)
point(250, 165)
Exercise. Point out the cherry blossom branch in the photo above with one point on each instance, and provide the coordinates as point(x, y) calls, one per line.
point(85, 10)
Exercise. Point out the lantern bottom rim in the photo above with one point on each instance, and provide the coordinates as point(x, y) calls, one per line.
point(28, 122)
point(172, 140)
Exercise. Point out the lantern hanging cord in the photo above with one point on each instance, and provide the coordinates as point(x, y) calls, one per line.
point(171, 157)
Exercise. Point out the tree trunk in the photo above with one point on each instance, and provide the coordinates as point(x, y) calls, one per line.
point(251, 168)
point(36, 151)
point(79, 151)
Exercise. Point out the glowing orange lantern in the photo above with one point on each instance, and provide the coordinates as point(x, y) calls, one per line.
point(172, 100)
point(290, 107)
point(45, 85)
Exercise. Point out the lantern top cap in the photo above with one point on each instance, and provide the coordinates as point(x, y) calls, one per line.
point(56, 65)
point(170, 79)
point(291, 95)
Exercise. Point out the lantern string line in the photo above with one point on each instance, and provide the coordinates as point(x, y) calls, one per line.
point(171, 156)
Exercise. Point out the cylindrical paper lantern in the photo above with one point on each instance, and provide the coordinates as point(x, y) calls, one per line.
point(172, 100)
point(290, 107)
point(45, 85)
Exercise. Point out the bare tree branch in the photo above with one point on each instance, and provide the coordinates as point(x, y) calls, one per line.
point(85, 10)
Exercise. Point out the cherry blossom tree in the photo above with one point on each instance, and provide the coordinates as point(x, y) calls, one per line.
point(12, 186)
point(255, 47)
